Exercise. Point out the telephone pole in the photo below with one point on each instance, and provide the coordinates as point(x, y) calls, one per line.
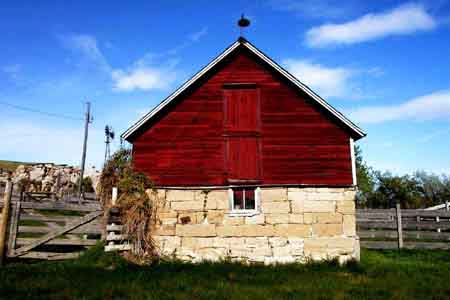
point(88, 119)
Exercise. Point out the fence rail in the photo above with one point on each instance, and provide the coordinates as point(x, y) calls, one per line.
point(49, 228)
point(403, 228)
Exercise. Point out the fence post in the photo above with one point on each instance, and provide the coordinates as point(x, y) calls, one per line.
point(399, 226)
point(447, 205)
point(5, 217)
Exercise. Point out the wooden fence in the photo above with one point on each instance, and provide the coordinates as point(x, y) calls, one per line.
point(403, 228)
point(49, 229)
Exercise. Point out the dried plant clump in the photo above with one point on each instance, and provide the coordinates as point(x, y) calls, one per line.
point(137, 212)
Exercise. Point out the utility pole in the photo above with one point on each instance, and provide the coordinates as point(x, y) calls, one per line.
point(88, 119)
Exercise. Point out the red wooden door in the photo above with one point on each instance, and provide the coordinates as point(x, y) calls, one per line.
point(242, 128)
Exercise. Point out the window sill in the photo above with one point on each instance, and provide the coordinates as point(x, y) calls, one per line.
point(243, 213)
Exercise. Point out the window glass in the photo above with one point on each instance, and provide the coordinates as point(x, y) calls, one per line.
point(244, 198)
point(238, 199)
point(249, 198)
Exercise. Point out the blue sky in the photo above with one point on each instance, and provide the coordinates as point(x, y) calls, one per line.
point(385, 64)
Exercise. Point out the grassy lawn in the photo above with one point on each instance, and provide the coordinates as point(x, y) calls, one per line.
point(381, 275)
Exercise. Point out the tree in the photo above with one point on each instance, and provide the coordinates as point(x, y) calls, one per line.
point(364, 178)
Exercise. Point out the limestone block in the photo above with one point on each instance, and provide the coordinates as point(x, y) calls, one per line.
point(256, 258)
point(245, 230)
point(167, 215)
point(215, 216)
point(349, 195)
point(197, 242)
point(201, 230)
point(277, 218)
point(169, 221)
point(321, 230)
point(275, 207)
point(319, 206)
point(261, 251)
point(239, 251)
point(164, 230)
point(273, 194)
point(217, 199)
point(292, 230)
point(271, 260)
point(349, 225)
point(296, 218)
point(257, 242)
point(225, 242)
point(346, 207)
point(323, 217)
point(297, 206)
point(297, 194)
point(190, 217)
point(282, 251)
point(297, 246)
point(172, 242)
point(180, 195)
point(278, 241)
point(211, 254)
point(233, 220)
point(255, 219)
point(187, 205)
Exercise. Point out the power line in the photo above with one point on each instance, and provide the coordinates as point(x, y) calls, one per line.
point(49, 114)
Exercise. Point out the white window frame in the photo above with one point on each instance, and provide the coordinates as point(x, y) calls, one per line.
point(244, 212)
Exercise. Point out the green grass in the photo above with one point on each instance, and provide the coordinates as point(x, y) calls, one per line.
point(66, 213)
point(96, 275)
point(10, 165)
point(35, 223)
point(31, 235)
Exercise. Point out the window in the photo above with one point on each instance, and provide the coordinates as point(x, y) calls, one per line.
point(244, 200)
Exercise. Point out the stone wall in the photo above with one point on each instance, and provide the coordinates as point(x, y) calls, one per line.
point(293, 225)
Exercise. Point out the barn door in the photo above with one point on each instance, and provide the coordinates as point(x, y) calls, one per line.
point(242, 134)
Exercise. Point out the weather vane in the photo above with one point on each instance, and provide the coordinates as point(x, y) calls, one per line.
point(242, 23)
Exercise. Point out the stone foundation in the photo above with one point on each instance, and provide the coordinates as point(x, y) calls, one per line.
point(291, 225)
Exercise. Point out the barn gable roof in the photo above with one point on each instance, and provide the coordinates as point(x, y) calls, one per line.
point(357, 132)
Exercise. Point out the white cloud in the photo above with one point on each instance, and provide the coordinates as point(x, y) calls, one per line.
point(402, 20)
point(432, 106)
point(142, 78)
point(87, 46)
point(196, 36)
point(315, 8)
point(325, 81)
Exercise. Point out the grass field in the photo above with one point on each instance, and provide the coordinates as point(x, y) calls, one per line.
point(380, 275)
point(10, 165)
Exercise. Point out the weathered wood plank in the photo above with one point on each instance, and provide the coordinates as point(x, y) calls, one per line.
point(13, 228)
point(55, 205)
point(391, 234)
point(123, 247)
point(50, 255)
point(67, 219)
point(59, 242)
point(51, 235)
point(114, 227)
point(94, 229)
point(407, 245)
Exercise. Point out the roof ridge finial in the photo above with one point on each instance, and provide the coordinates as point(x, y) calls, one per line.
point(242, 23)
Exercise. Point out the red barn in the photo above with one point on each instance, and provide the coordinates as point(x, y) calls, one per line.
point(245, 125)
point(243, 119)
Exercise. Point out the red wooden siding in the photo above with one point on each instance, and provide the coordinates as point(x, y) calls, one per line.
point(288, 142)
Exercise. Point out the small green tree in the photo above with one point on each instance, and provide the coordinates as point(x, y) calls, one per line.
point(364, 178)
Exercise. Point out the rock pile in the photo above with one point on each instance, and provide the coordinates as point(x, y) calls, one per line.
point(49, 177)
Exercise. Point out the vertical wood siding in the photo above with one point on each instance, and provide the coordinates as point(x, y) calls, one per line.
point(298, 143)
